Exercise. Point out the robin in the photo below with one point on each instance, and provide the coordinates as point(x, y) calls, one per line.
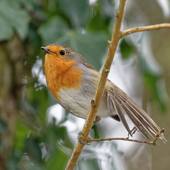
point(73, 83)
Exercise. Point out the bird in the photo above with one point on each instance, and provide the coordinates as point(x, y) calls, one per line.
point(73, 82)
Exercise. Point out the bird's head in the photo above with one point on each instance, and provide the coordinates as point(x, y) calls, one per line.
point(61, 67)
point(54, 50)
point(58, 58)
point(59, 55)
point(58, 52)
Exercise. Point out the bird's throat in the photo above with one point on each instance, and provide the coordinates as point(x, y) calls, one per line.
point(61, 73)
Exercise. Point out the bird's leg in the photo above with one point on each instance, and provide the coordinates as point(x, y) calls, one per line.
point(97, 119)
point(132, 132)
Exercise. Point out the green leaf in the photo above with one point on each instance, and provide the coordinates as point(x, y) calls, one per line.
point(101, 18)
point(21, 134)
point(76, 10)
point(32, 148)
point(106, 7)
point(57, 161)
point(33, 47)
point(98, 22)
point(14, 18)
point(57, 157)
point(5, 29)
point(53, 29)
point(91, 45)
point(56, 133)
point(39, 99)
point(96, 132)
point(126, 49)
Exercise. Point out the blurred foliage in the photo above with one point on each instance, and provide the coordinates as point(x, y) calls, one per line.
point(154, 82)
point(13, 18)
point(3, 126)
point(126, 49)
point(75, 23)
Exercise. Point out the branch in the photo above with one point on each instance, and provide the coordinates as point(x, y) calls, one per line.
point(100, 88)
point(153, 142)
point(145, 28)
point(123, 139)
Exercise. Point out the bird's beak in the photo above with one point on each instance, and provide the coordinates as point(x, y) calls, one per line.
point(45, 49)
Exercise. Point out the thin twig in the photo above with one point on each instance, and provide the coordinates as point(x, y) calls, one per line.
point(145, 28)
point(153, 142)
point(100, 88)
point(122, 139)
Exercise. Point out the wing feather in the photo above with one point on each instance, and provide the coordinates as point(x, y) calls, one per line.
point(118, 101)
point(111, 105)
point(121, 114)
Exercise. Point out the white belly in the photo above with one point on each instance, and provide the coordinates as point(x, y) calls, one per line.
point(78, 103)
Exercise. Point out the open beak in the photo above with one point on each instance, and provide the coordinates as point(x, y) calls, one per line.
point(45, 49)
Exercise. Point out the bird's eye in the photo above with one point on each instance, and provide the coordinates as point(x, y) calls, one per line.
point(62, 52)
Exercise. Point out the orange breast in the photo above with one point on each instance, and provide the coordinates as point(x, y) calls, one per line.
point(61, 73)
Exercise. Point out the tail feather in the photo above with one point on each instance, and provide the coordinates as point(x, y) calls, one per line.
point(142, 114)
point(122, 104)
point(119, 111)
point(136, 114)
point(142, 126)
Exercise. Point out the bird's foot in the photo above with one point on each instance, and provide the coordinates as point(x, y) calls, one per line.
point(82, 139)
point(132, 132)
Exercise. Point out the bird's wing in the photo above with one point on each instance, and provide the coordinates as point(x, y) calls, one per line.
point(113, 106)
point(78, 57)
point(118, 101)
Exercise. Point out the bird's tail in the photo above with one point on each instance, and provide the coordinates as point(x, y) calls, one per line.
point(143, 122)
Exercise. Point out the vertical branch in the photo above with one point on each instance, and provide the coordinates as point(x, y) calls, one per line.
point(100, 88)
